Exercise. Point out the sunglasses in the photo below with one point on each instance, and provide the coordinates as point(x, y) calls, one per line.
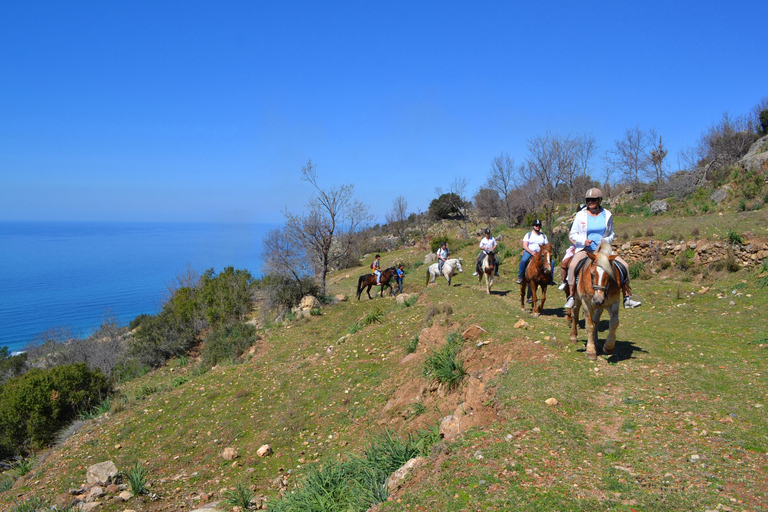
point(591, 200)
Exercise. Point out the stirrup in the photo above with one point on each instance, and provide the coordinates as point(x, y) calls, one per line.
point(570, 302)
point(629, 303)
point(562, 285)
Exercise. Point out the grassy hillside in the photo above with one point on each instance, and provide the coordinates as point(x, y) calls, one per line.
point(675, 420)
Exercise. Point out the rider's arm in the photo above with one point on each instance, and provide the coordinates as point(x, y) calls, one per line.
point(525, 247)
point(577, 237)
point(609, 235)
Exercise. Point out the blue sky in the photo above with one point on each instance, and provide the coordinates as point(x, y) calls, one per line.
point(207, 111)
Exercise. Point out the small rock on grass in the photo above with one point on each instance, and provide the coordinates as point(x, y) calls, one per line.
point(551, 401)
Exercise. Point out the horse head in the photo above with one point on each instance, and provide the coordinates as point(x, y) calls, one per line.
point(601, 271)
point(544, 259)
point(458, 265)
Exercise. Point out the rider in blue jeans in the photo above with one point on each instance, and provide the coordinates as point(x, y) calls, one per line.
point(532, 241)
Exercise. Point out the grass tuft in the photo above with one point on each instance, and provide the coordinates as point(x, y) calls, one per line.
point(22, 466)
point(373, 317)
point(410, 301)
point(137, 478)
point(635, 269)
point(412, 345)
point(6, 483)
point(444, 365)
point(355, 327)
point(762, 279)
point(241, 497)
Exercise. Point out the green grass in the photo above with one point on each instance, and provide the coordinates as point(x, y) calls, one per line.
point(6, 483)
point(445, 364)
point(375, 316)
point(412, 344)
point(241, 496)
point(137, 478)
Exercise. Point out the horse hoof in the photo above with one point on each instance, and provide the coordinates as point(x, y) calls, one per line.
point(607, 350)
point(574, 339)
point(536, 314)
point(592, 356)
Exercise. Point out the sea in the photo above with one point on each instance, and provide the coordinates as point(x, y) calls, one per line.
point(73, 275)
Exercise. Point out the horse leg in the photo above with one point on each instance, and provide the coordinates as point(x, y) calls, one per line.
point(488, 282)
point(613, 324)
point(591, 328)
point(523, 288)
point(534, 289)
point(575, 320)
point(543, 297)
point(368, 290)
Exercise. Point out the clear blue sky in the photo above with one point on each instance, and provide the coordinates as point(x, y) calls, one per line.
point(207, 111)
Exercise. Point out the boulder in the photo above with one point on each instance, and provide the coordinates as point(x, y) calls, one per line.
point(309, 302)
point(719, 195)
point(264, 450)
point(450, 427)
point(126, 495)
point(339, 298)
point(229, 453)
point(398, 477)
point(404, 297)
point(101, 473)
point(756, 159)
point(659, 207)
point(430, 258)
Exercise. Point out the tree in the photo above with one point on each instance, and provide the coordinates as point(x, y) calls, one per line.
point(326, 230)
point(488, 203)
point(422, 221)
point(543, 173)
point(502, 180)
point(397, 218)
point(462, 205)
point(285, 256)
point(583, 148)
point(658, 153)
point(444, 206)
point(630, 155)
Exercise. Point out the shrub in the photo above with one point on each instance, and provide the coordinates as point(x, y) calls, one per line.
point(11, 366)
point(241, 497)
point(136, 322)
point(635, 269)
point(34, 406)
point(413, 344)
point(762, 274)
point(638, 234)
point(355, 327)
point(685, 259)
point(734, 237)
point(731, 262)
point(6, 483)
point(373, 316)
point(445, 366)
point(226, 297)
point(228, 342)
point(742, 205)
point(695, 231)
point(649, 231)
point(137, 478)
point(439, 240)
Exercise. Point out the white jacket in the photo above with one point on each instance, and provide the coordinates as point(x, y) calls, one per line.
point(579, 229)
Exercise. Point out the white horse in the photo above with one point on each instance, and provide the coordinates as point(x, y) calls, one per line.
point(450, 268)
point(487, 268)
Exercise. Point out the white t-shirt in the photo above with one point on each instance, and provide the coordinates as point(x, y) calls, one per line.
point(535, 241)
point(488, 244)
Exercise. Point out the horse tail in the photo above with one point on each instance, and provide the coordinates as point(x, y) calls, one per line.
point(427, 276)
point(360, 285)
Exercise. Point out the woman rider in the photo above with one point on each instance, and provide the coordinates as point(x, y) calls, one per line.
point(591, 226)
point(487, 244)
point(532, 241)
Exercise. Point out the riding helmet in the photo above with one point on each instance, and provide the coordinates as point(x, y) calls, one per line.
point(594, 193)
point(537, 222)
point(487, 231)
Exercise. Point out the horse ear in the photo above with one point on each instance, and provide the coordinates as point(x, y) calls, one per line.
point(461, 259)
point(592, 256)
point(612, 257)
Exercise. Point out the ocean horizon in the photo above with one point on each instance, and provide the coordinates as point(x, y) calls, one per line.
point(74, 274)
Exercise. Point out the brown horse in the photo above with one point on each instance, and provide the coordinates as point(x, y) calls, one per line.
point(369, 280)
point(598, 288)
point(537, 273)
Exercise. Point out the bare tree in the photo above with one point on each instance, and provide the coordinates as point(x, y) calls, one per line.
point(326, 230)
point(284, 255)
point(397, 218)
point(422, 222)
point(502, 180)
point(457, 194)
point(657, 170)
point(542, 172)
point(488, 204)
point(584, 148)
point(630, 155)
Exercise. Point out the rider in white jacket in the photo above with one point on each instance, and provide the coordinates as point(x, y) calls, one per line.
point(591, 226)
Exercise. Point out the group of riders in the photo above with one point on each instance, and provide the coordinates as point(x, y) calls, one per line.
point(592, 225)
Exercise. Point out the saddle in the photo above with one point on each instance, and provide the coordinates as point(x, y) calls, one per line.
point(623, 271)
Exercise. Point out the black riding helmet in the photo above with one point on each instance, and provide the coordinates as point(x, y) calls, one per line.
point(487, 231)
point(537, 222)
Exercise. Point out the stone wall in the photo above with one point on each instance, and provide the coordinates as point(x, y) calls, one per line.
point(705, 251)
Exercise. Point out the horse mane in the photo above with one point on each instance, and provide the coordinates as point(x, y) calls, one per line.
point(602, 260)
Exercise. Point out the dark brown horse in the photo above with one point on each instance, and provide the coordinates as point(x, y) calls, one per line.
point(369, 280)
point(598, 289)
point(537, 273)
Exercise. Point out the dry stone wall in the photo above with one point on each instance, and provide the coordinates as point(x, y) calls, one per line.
point(704, 251)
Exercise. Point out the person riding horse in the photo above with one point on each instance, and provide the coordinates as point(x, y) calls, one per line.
point(442, 255)
point(531, 243)
point(376, 269)
point(591, 226)
point(487, 244)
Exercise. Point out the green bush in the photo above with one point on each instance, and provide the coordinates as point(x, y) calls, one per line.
point(162, 337)
point(241, 497)
point(635, 269)
point(445, 366)
point(137, 478)
point(136, 322)
point(685, 259)
point(226, 297)
point(227, 343)
point(11, 366)
point(34, 406)
point(412, 344)
point(437, 241)
point(733, 237)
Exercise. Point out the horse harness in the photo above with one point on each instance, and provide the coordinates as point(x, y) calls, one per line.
point(622, 275)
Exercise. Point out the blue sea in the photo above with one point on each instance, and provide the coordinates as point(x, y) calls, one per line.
point(72, 274)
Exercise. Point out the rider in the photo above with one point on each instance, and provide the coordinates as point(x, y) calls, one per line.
point(376, 269)
point(442, 255)
point(591, 226)
point(532, 241)
point(487, 244)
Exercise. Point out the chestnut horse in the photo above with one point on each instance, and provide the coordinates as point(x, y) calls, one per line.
point(537, 273)
point(369, 280)
point(598, 288)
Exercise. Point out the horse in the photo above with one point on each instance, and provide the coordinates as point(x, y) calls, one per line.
point(487, 268)
point(369, 280)
point(450, 268)
point(537, 273)
point(598, 288)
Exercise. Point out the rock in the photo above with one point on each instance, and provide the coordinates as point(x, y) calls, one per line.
point(309, 302)
point(85, 507)
point(398, 477)
point(101, 473)
point(450, 427)
point(473, 332)
point(551, 402)
point(112, 489)
point(659, 207)
point(339, 298)
point(404, 297)
point(756, 159)
point(720, 194)
point(229, 453)
point(430, 258)
point(521, 324)
point(209, 507)
point(126, 495)
point(94, 492)
point(264, 450)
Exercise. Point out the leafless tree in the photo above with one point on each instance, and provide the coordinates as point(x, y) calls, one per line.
point(488, 204)
point(585, 147)
point(284, 255)
point(326, 229)
point(630, 155)
point(543, 172)
point(461, 204)
point(422, 221)
point(397, 218)
point(657, 169)
point(502, 180)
